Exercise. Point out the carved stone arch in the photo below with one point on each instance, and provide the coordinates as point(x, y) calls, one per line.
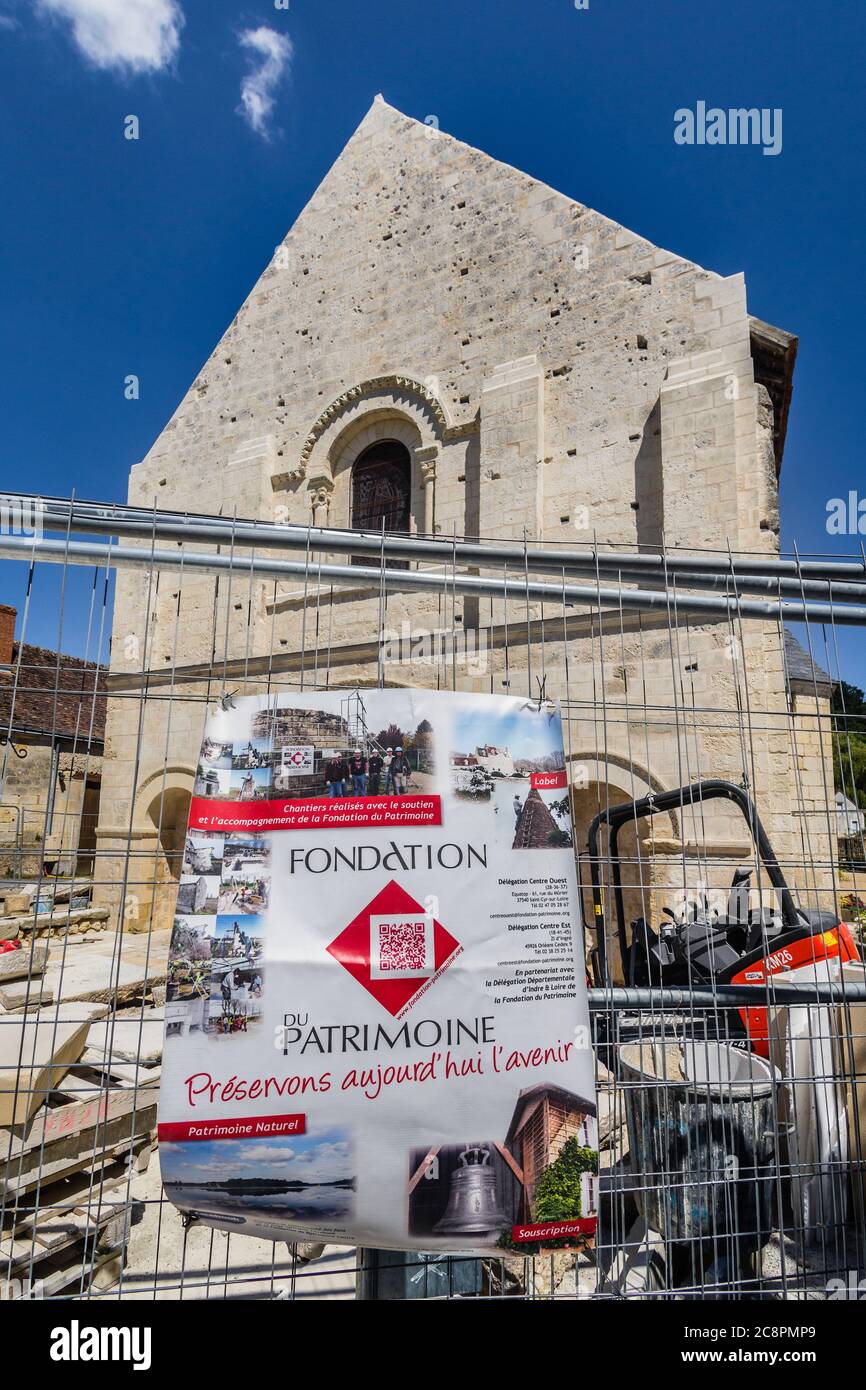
point(400, 398)
point(163, 778)
point(370, 428)
point(609, 780)
point(162, 803)
point(396, 409)
point(628, 779)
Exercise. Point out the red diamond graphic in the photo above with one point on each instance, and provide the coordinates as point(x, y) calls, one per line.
point(394, 948)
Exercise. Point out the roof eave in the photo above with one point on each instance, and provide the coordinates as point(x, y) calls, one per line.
point(774, 353)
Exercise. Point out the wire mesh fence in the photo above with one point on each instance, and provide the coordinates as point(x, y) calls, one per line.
point(714, 745)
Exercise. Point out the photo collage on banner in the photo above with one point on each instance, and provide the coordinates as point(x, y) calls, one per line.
point(377, 1029)
point(216, 962)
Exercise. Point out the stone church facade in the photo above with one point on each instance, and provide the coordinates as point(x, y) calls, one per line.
point(446, 344)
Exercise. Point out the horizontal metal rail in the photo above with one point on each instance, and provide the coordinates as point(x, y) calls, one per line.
point(588, 595)
point(841, 580)
point(724, 996)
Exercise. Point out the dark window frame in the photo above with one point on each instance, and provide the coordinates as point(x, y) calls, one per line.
point(381, 490)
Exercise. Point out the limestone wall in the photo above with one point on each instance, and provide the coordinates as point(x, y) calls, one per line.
point(37, 829)
point(588, 367)
point(553, 376)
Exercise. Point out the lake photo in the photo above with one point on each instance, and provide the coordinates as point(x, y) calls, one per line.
point(290, 1177)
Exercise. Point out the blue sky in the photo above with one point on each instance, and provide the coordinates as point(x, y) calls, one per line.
point(324, 1157)
point(523, 733)
point(131, 257)
point(225, 924)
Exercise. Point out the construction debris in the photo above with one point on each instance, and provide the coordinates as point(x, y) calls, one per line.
point(59, 923)
point(35, 1055)
point(25, 994)
point(23, 962)
point(79, 1085)
point(129, 1037)
point(73, 1239)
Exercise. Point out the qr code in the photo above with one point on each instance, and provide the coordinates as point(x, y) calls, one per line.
point(401, 947)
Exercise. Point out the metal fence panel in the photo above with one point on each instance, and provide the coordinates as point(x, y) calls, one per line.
point(729, 1103)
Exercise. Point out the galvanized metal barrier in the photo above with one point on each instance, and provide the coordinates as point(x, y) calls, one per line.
point(730, 1091)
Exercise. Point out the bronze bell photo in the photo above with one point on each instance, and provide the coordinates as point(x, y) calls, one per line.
point(473, 1206)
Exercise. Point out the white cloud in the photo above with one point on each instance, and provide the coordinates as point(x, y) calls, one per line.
point(267, 1153)
point(258, 87)
point(130, 36)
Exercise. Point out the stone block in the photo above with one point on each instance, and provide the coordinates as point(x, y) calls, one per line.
point(25, 961)
point(35, 1055)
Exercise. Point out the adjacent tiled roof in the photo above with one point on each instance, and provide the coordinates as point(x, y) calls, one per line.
point(79, 711)
point(800, 667)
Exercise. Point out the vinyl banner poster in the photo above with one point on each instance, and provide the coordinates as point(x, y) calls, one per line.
point(376, 1017)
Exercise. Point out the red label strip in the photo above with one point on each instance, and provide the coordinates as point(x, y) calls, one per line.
point(555, 1230)
point(548, 781)
point(253, 1127)
point(316, 813)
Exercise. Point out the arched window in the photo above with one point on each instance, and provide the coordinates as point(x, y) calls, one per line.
point(381, 493)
